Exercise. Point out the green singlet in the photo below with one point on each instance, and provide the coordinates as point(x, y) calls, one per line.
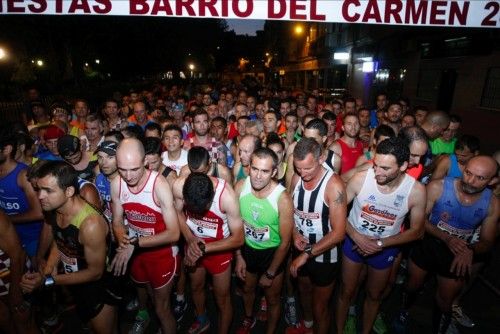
point(260, 217)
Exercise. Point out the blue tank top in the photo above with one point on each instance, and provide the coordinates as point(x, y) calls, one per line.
point(104, 188)
point(13, 201)
point(454, 170)
point(455, 218)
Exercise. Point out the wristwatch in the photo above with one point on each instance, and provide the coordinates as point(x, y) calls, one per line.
point(308, 250)
point(49, 281)
point(202, 247)
point(380, 243)
point(135, 242)
point(269, 275)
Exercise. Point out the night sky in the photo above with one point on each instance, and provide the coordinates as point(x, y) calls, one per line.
point(245, 27)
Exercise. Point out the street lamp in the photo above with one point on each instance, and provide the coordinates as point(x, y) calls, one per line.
point(39, 63)
point(191, 69)
point(298, 29)
point(3, 54)
point(97, 61)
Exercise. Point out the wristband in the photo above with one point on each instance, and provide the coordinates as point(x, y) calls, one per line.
point(202, 247)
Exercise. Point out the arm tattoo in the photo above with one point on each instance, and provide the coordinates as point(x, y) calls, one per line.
point(340, 198)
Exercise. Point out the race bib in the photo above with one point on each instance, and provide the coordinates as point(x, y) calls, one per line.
point(136, 232)
point(203, 229)
point(70, 264)
point(307, 222)
point(371, 228)
point(456, 232)
point(258, 234)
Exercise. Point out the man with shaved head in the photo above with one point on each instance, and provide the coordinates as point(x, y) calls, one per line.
point(435, 123)
point(145, 199)
point(456, 208)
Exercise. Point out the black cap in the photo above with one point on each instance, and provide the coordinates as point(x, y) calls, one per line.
point(108, 147)
point(68, 145)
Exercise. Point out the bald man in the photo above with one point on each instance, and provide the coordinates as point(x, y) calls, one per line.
point(435, 123)
point(247, 145)
point(448, 248)
point(145, 199)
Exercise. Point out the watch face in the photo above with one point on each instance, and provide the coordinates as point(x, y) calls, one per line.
point(379, 243)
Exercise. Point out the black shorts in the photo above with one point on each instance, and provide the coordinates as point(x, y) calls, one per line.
point(91, 297)
point(320, 274)
point(259, 260)
point(433, 255)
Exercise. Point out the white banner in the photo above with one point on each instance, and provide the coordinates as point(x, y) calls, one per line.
point(445, 13)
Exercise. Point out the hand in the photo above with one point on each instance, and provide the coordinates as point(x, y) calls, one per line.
point(462, 263)
point(126, 240)
point(119, 263)
point(456, 245)
point(31, 282)
point(265, 282)
point(366, 245)
point(240, 268)
point(297, 263)
point(193, 251)
point(300, 242)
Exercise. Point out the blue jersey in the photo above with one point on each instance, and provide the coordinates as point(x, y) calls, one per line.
point(13, 201)
point(455, 218)
point(454, 171)
point(104, 188)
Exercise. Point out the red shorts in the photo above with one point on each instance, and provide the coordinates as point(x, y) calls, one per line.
point(216, 263)
point(155, 270)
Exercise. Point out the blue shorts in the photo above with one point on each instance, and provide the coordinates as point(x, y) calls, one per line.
point(380, 260)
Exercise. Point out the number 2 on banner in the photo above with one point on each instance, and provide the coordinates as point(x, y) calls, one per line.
point(490, 20)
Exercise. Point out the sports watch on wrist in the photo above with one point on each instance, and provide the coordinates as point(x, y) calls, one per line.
point(49, 281)
point(308, 250)
point(269, 275)
point(135, 242)
point(202, 247)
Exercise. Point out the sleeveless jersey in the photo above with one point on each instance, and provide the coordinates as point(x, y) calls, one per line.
point(175, 164)
point(312, 215)
point(415, 171)
point(104, 188)
point(212, 226)
point(143, 213)
point(349, 155)
point(212, 146)
point(454, 171)
point(380, 215)
point(455, 218)
point(330, 161)
point(13, 201)
point(71, 251)
point(241, 173)
point(229, 156)
point(261, 217)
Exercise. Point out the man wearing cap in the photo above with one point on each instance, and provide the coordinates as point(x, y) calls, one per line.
point(106, 158)
point(71, 151)
point(50, 137)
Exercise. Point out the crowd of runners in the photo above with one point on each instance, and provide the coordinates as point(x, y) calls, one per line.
point(153, 201)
